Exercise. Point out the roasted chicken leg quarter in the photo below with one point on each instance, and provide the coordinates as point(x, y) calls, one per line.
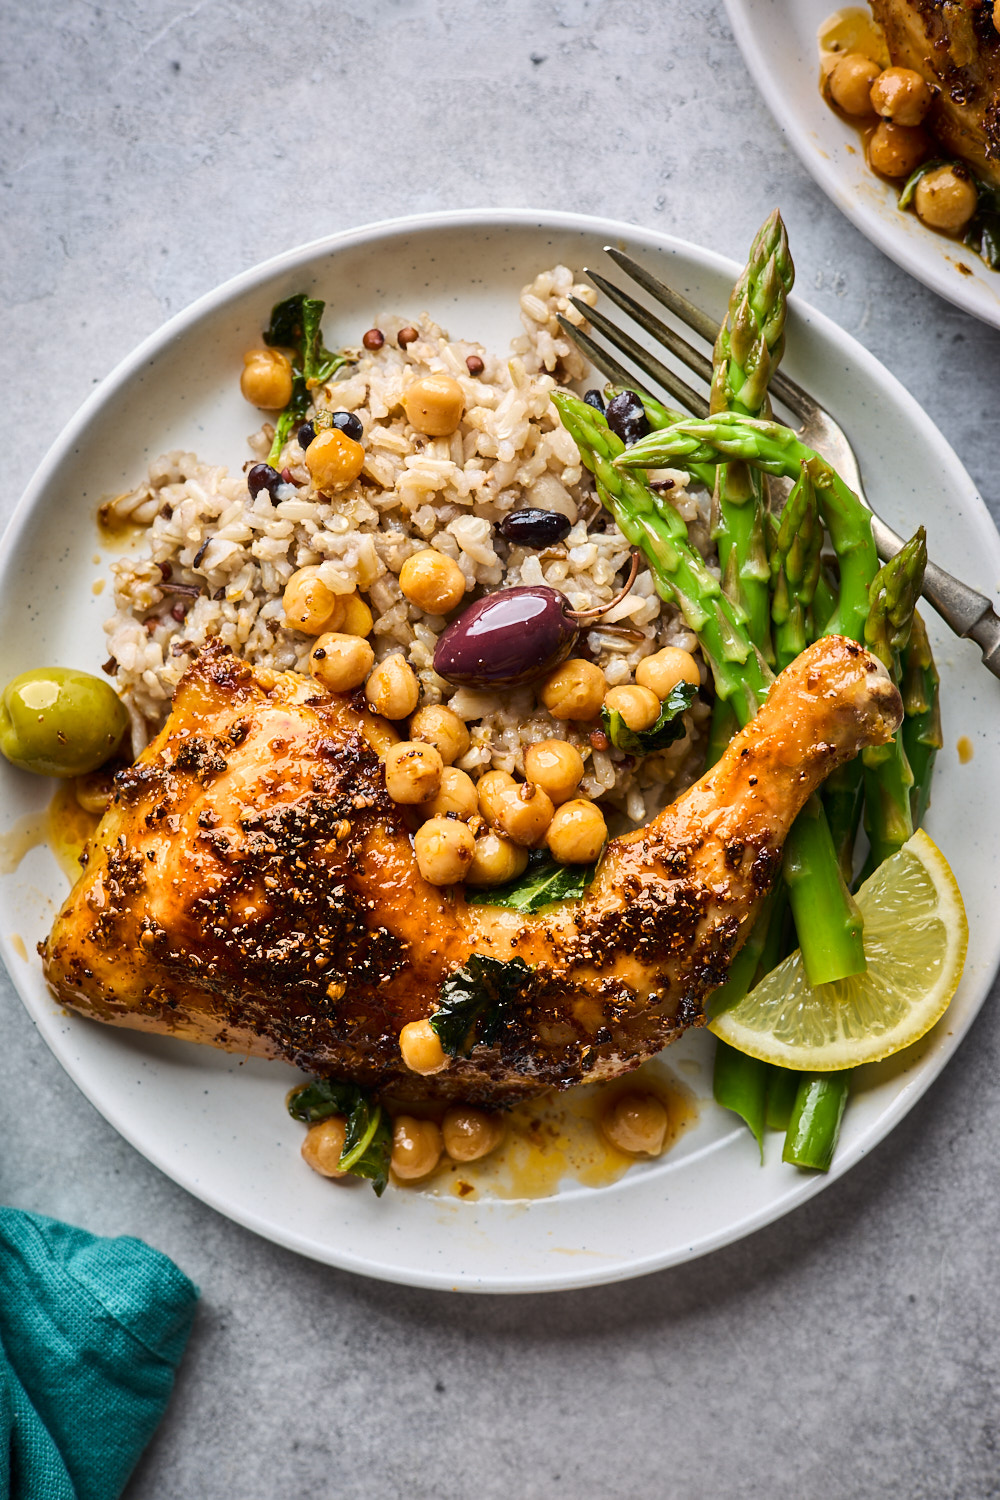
point(253, 886)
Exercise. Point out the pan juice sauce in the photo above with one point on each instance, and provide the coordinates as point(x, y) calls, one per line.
point(64, 826)
point(557, 1138)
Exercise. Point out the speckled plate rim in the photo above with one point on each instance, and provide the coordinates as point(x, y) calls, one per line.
point(656, 1189)
point(777, 40)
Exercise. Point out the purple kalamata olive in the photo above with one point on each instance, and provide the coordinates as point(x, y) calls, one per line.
point(535, 528)
point(627, 417)
point(514, 635)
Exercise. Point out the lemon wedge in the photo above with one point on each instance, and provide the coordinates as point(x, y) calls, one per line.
point(916, 936)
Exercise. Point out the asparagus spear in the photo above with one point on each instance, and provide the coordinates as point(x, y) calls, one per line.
point(887, 775)
point(815, 1121)
point(830, 931)
point(922, 737)
point(747, 350)
point(777, 450)
point(748, 347)
point(795, 570)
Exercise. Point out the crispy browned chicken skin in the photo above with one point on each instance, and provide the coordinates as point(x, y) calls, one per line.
point(955, 46)
point(253, 886)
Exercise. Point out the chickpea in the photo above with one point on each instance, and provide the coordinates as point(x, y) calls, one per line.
point(555, 766)
point(416, 1148)
point(457, 794)
point(340, 663)
point(309, 605)
point(577, 833)
point(358, 618)
point(421, 1049)
point(946, 198)
point(393, 690)
point(897, 150)
point(433, 582)
point(439, 726)
point(638, 706)
point(524, 815)
point(412, 772)
point(324, 1146)
point(434, 405)
point(445, 848)
point(491, 789)
point(93, 792)
point(470, 1134)
point(267, 379)
point(665, 669)
point(850, 84)
point(496, 860)
point(334, 460)
point(901, 95)
point(636, 1124)
point(575, 690)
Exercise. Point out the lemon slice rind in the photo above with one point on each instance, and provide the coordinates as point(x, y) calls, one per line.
point(916, 937)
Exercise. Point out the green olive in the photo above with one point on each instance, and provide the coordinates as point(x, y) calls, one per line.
point(57, 722)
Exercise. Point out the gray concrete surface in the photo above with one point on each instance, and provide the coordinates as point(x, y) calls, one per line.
point(151, 150)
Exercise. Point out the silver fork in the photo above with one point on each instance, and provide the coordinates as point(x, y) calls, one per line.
point(963, 609)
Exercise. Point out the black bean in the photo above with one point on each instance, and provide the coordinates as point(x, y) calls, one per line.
point(305, 434)
point(595, 399)
point(350, 425)
point(627, 417)
point(373, 339)
point(262, 477)
point(535, 528)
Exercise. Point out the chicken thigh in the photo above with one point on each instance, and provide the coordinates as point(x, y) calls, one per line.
point(253, 886)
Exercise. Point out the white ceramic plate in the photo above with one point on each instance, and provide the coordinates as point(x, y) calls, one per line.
point(218, 1126)
point(778, 42)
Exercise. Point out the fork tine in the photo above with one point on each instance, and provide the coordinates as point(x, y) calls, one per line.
point(665, 295)
point(654, 326)
point(600, 357)
point(788, 393)
point(650, 366)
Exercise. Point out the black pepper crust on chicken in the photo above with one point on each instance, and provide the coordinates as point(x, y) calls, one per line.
point(955, 46)
point(253, 886)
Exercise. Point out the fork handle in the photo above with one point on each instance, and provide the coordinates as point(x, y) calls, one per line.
point(965, 610)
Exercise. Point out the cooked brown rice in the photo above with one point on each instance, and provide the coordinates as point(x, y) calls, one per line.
point(510, 451)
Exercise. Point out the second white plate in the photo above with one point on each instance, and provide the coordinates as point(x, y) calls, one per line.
point(778, 41)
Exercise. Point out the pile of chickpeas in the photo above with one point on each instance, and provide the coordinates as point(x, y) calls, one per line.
point(477, 832)
point(481, 832)
point(899, 98)
point(464, 1135)
point(636, 1124)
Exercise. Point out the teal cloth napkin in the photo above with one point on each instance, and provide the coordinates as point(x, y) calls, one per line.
point(91, 1332)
